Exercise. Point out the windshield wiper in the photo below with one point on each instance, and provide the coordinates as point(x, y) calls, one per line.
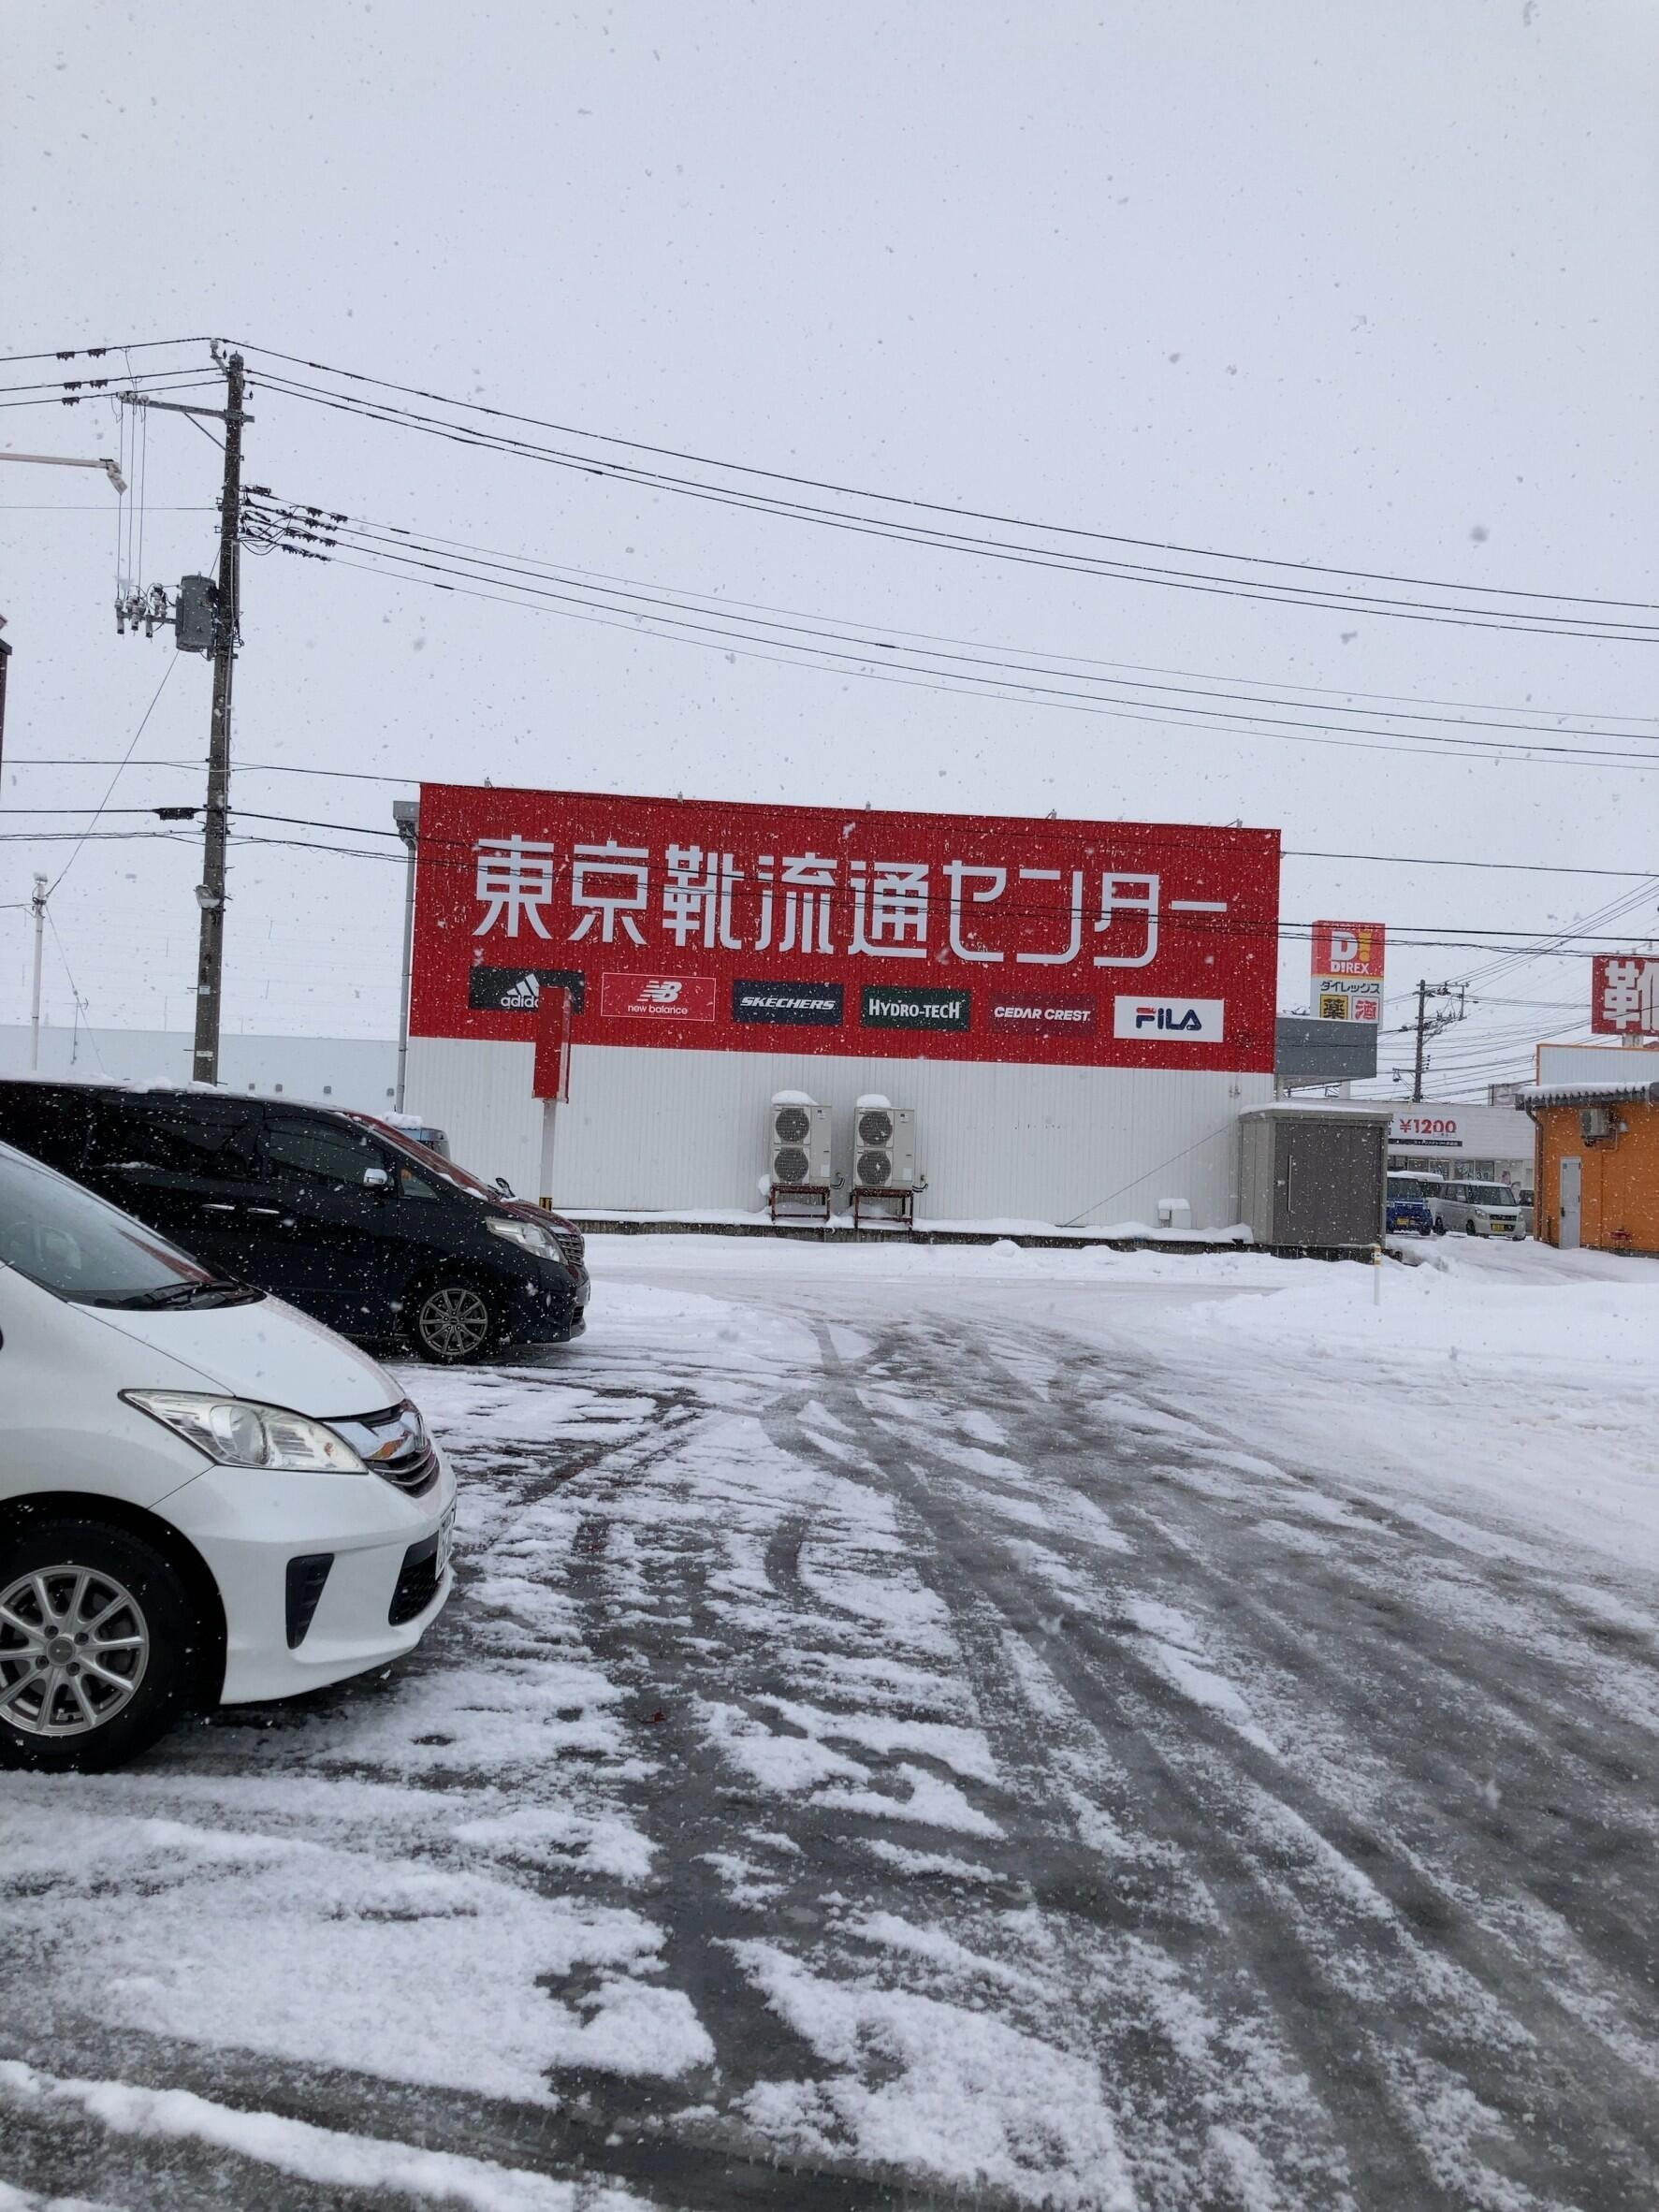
point(173, 1294)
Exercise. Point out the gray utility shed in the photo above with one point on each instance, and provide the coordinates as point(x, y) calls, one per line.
point(1313, 1177)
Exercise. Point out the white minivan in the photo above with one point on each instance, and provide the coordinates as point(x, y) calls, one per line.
point(205, 1497)
point(1481, 1209)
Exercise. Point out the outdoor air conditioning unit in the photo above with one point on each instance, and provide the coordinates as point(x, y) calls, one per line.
point(884, 1147)
point(1596, 1122)
point(798, 1143)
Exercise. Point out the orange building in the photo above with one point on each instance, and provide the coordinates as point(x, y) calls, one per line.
point(1597, 1164)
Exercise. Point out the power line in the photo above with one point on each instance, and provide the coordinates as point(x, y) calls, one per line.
point(1460, 709)
point(1425, 936)
point(912, 676)
point(108, 387)
point(1281, 593)
point(908, 504)
point(311, 526)
point(172, 664)
point(81, 1004)
point(120, 346)
point(1415, 860)
point(914, 504)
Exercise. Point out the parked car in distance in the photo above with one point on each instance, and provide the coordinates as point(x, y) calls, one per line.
point(410, 1125)
point(1408, 1205)
point(205, 1498)
point(1481, 1209)
point(343, 1216)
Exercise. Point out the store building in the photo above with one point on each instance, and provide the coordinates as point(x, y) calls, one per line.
point(607, 993)
point(1481, 1143)
point(357, 1071)
point(1598, 1162)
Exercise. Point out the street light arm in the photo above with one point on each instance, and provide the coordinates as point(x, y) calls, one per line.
point(69, 460)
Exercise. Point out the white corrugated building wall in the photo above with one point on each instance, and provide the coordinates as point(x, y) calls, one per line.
point(648, 1130)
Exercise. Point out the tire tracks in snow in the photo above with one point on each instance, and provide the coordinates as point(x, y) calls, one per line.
point(1436, 2035)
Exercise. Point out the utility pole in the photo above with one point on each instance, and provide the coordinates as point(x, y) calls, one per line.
point(1417, 1081)
point(1428, 1025)
point(37, 905)
point(406, 814)
point(210, 893)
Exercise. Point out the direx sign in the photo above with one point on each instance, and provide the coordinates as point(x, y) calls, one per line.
point(1348, 948)
point(1347, 972)
point(693, 924)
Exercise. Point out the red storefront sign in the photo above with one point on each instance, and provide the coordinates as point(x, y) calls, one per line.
point(1349, 948)
point(683, 923)
point(1625, 995)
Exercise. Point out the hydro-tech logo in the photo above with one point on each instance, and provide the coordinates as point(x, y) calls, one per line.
point(882, 1008)
point(1171, 1021)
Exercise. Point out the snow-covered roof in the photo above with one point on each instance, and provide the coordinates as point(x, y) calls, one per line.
point(1589, 1094)
point(1326, 1109)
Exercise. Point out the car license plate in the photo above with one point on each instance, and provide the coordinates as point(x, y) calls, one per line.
point(445, 1540)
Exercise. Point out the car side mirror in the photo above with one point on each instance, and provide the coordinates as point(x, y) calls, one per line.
point(376, 1179)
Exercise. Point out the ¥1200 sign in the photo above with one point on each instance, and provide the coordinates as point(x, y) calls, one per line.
point(710, 925)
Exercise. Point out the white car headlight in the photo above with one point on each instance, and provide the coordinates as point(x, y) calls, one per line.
point(529, 1234)
point(237, 1433)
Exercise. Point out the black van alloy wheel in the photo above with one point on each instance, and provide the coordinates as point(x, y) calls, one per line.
point(97, 1645)
point(453, 1319)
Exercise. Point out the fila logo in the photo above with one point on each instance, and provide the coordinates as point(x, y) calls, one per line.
point(666, 992)
point(1175, 1021)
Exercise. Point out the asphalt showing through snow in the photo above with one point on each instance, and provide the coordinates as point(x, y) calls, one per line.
point(883, 1752)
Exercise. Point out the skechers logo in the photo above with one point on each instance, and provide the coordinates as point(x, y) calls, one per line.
point(802, 1005)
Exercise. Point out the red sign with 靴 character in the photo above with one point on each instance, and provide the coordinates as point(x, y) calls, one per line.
point(1625, 995)
point(698, 925)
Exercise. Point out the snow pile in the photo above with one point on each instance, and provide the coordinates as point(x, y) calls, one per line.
point(1439, 1311)
point(872, 1102)
point(793, 1098)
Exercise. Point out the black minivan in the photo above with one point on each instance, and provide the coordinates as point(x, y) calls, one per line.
point(343, 1215)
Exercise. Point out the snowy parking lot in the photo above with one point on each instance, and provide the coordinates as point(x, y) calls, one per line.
point(926, 1727)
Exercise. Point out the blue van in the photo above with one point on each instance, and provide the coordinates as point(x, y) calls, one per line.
point(1409, 1206)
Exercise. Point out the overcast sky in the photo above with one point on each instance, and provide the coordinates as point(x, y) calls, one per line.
point(1365, 285)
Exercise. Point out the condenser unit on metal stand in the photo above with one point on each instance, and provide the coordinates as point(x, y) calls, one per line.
point(799, 1175)
point(884, 1178)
